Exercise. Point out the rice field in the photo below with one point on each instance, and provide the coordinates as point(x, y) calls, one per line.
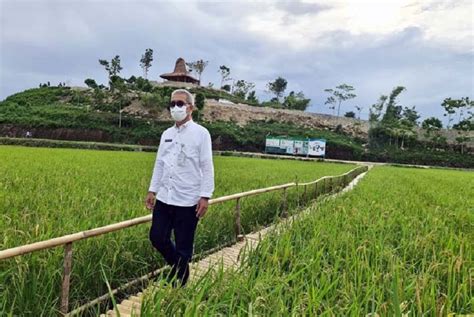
point(399, 244)
point(46, 193)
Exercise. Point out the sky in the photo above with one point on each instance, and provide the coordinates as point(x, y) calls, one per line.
point(425, 46)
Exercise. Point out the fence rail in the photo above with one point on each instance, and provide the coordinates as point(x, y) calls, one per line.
point(68, 240)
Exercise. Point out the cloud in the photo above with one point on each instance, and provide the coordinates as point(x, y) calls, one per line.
point(426, 46)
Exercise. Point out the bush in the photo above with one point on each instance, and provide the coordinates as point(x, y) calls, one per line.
point(90, 83)
point(154, 101)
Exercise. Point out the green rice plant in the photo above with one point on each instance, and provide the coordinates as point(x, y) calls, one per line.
point(399, 243)
point(46, 193)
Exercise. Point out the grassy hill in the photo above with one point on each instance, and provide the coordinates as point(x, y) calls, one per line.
point(93, 115)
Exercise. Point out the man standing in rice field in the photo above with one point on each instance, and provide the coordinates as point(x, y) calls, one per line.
point(181, 185)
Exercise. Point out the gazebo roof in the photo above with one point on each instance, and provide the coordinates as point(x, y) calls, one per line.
point(180, 73)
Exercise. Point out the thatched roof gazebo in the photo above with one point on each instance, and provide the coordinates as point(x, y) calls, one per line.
point(180, 73)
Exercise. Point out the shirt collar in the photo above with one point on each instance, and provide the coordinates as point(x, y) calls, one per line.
point(184, 125)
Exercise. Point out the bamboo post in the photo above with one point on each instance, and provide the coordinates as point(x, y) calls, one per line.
point(304, 194)
point(237, 225)
point(67, 264)
point(297, 192)
point(316, 190)
point(284, 211)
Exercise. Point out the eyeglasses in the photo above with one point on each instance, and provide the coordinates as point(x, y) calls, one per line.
point(178, 103)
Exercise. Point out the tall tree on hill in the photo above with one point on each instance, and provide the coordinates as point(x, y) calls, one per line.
point(376, 109)
point(407, 124)
point(393, 112)
point(113, 67)
point(296, 101)
point(432, 126)
point(198, 67)
point(340, 94)
point(252, 96)
point(225, 74)
point(242, 88)
point(465, 124)
point(145, 61)
point(453, 106)
point(277, 87)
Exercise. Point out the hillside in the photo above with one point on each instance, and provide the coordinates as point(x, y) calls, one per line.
point(93, 115)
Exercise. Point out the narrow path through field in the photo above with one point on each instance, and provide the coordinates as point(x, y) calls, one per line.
point(229, 257)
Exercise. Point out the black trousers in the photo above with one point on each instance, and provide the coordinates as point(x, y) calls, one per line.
point(183, 221)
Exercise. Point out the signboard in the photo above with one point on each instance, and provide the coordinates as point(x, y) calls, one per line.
point(272, 142)
point(288, 145)
point(298, 148)
point(295, 146)
point(317, 147)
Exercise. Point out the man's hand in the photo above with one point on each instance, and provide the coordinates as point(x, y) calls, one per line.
point(201, 207)
point(150, 200)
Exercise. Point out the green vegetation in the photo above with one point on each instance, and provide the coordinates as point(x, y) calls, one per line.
point(90, 117)
point(338, 95)
point(399, 243)
point(46, 193)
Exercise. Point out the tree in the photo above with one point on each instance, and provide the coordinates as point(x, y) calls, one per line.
point(395, 123)
point(463, 128)
point(376, 109)
point(145, 61)
point(341, 93)
point(451, 106)
point(252, 97)
point(90, 83)
point(407, 124)
point(432, 126)
point(131, 80)
point(296, 101)
point(393, 112)
point(113, 67)
point(226, 87)
point(198, 67)
point(199, 102)
point(350, 114)
point(278, 87)
point(410, 117)
point(225, 75)
point(242, 88)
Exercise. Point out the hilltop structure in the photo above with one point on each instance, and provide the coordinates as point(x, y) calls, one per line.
point(180, 73)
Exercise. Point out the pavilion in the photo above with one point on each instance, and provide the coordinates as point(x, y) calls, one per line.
point(180, 73)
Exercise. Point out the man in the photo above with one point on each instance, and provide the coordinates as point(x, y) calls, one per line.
point(181, 185)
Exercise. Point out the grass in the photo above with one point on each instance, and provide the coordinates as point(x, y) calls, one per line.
point(399, 243)
point(46, 193)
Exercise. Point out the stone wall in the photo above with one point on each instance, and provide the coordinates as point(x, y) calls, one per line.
point(242, 114)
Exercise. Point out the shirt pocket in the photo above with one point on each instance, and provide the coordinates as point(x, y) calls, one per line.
point(191, 152)
point(166, 147)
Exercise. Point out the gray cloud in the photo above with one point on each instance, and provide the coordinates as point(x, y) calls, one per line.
point(58, 41)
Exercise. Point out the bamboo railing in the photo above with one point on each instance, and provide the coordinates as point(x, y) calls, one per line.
point(328, 185)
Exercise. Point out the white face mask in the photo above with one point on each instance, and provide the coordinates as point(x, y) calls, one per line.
point(178, 113)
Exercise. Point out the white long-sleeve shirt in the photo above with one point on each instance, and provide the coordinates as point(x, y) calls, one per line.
point(184, 169)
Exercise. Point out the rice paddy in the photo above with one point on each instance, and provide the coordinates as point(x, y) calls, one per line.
point(399, 244)
point(46, 193)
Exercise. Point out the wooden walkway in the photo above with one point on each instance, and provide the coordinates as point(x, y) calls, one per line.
point(228, 256)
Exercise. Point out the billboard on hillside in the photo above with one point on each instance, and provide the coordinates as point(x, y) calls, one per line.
point(295, 146)
point(317, 147)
